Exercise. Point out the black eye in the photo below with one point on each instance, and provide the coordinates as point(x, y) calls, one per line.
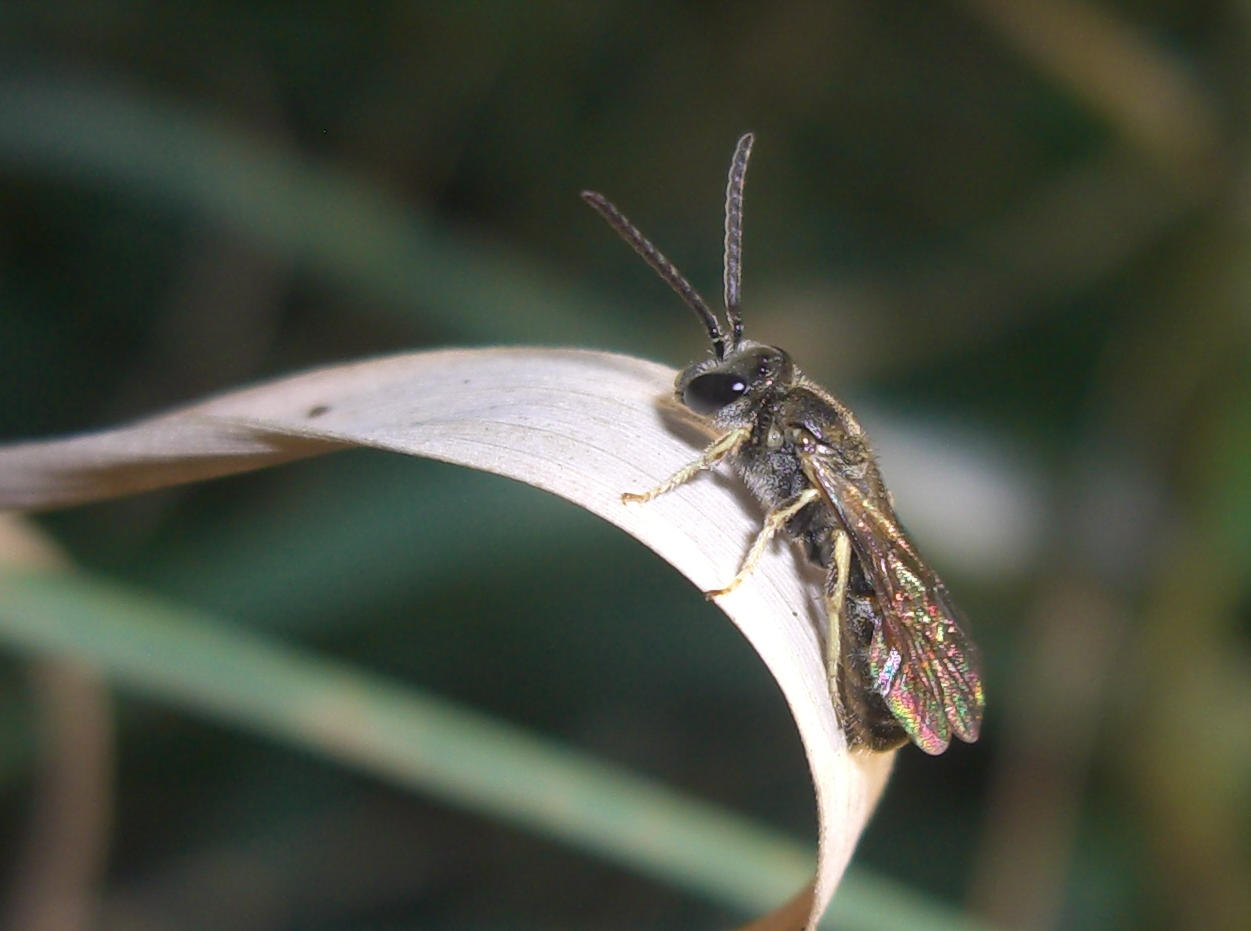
point(711, 392)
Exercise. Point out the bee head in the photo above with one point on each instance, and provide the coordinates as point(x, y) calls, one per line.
point(730, 390)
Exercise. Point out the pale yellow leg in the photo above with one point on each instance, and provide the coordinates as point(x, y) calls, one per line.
point(711, 456)
point(774, 521)
point(835, 605)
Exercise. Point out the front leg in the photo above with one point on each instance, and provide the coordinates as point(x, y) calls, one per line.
point(717, 451)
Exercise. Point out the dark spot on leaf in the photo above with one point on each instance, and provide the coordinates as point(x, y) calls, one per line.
point(318, 410)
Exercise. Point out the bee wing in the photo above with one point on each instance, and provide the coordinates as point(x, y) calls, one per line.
point(926, 667)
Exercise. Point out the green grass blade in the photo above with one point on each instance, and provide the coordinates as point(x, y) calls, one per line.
point(431, 745)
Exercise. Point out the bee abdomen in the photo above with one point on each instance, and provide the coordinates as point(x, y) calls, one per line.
point(868, 721)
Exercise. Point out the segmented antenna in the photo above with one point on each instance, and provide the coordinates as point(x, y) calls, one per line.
point(661, 265)
point(734, 238)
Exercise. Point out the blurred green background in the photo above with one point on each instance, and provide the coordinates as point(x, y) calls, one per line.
point(1015, 235)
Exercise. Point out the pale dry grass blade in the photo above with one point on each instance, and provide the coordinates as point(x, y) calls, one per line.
point(584, 425)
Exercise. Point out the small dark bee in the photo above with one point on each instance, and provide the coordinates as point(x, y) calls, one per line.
point(899, 666)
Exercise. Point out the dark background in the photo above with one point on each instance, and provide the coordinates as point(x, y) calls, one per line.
point(1015, 234)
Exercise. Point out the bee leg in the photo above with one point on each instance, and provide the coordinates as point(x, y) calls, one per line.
point(773, 522)
point(835, 608)
point(710, 457)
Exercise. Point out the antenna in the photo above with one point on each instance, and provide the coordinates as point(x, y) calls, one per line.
point(663, 267)
point(734, 238)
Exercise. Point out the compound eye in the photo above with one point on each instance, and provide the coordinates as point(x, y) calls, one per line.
point(713, 391)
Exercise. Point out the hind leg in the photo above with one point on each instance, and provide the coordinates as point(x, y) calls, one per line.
point(836, 585)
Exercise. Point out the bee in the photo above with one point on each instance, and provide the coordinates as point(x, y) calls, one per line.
point(898, 663)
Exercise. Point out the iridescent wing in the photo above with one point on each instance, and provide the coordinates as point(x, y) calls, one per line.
point(926, 667)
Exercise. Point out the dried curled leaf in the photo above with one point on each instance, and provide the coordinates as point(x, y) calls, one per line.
point(583, 425)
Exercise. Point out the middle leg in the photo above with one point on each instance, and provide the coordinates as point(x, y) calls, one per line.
point(774, 521)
